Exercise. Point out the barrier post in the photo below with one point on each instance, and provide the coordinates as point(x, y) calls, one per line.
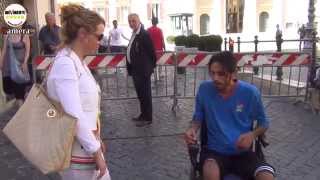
point(312, 67)
point(256, 43)
point(34, 70)
point(175, 83)
point(225, 43)
point(255, 68)
point(238, 41)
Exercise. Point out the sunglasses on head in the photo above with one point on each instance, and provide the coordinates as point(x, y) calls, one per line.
point(99, 36)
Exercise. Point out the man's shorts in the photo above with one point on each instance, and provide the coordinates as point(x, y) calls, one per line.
point(246, 165)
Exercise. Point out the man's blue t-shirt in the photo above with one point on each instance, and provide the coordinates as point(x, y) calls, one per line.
point(228, 118)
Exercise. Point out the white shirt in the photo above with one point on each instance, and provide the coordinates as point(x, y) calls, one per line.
point(71, 83)
point(131, 41)
point(115, 37)
point(104, 41)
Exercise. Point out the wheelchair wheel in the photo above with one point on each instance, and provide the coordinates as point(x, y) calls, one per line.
point(193, 174)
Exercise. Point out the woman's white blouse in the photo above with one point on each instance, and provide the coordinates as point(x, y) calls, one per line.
point(71, 83)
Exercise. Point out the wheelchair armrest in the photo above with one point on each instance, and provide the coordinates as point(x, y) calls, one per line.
point(193, 150)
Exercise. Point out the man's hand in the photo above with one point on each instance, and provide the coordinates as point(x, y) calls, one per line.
point(245, 140)
point(190, 136)
point(100, 163)
point(24, 68)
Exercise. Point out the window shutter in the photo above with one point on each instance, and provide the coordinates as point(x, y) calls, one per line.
point(149, 8)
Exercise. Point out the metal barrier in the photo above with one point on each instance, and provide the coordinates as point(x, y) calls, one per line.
point(293, 84)
point(110, 71)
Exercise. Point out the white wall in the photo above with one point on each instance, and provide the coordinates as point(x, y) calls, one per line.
point(42, 7)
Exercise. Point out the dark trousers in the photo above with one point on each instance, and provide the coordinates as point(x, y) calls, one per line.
point(12, 88)
point(142, 85)
point(115, 49)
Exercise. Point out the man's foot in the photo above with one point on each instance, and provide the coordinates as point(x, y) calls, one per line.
point(139, 118)
point(143, 123)
point(9, 97)
point(19, 102)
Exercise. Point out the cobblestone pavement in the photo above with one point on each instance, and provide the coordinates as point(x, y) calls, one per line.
point(158, 152)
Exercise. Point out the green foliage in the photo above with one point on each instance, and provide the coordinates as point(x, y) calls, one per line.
point(180, 40)
point(204, 43)
point(170, 39)
point(210, 43)
point(192, 40)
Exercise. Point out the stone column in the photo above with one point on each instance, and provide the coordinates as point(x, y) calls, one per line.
point(250, 16)
point(216, 23)
point(112, 11)
point(276, 16)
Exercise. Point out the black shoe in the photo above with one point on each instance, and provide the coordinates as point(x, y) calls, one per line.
point(9, 97)
point(139, 118)
point(143, 123)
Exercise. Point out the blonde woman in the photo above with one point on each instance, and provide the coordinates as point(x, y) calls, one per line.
point(71, 83)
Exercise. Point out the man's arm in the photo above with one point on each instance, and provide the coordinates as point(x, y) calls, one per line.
point(163, 43)
point(190, 135)
point(124, 37)
point(148, 45)
point(198, 116)
point(259, 131)
point(257, 113)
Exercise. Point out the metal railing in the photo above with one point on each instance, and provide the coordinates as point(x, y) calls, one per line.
point(110, 71)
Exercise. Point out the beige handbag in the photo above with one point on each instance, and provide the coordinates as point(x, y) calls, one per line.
point(42, 132)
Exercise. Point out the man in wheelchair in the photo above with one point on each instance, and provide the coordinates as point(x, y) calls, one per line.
point(228, 108)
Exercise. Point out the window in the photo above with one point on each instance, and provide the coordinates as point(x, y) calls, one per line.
point(122, 14)
point(263, 21)
point(234, 16)
point(289, 25)
point(204, 24)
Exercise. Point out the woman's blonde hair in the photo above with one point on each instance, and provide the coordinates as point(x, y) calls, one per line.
point(74, 17)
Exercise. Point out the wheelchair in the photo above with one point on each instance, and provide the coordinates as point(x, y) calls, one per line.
point(194, 152)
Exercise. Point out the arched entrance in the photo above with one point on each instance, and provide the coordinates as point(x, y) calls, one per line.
point(263, 21)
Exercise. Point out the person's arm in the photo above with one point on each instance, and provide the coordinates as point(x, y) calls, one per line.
point(69, 96)
point(109, 40)
point(257, 113)
point(198, 117)
point(26, 41)
point(148, 46)
point(65, 77)
point(163, 42)
point(4, 50)
point(124, 37)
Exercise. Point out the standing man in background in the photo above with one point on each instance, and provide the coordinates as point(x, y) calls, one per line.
point(114, 41)
point(157, 40)
point(141, 60)
point(49, 35)
point(278, 38)
point(302, 34)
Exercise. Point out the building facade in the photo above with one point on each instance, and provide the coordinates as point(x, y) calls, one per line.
point(228, 18)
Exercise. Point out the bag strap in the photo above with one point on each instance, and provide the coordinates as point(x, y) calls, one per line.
point(43, 86)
